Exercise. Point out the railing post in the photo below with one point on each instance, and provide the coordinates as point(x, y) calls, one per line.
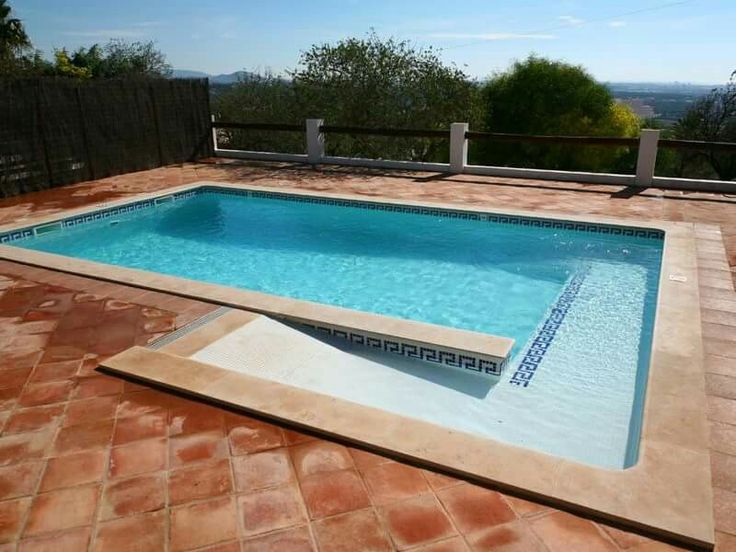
point(315, 141)
point(214, 133)
point(458, 147)
point(647, 158)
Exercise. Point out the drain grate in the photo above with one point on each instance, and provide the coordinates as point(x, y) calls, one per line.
point(189, 328)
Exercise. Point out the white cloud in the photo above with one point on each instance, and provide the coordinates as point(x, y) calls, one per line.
point(617, 24)
point(492, 36)
point(571, 19)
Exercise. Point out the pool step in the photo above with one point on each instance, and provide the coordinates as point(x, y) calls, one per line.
point(434, 352)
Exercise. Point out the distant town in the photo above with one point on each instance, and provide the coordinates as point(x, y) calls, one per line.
point(663, 103)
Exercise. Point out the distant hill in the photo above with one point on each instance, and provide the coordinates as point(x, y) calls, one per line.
point(226, 78)
point(187, 74)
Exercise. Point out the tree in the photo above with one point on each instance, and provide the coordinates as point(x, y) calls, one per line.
point(541, 96)
point(710, 119)
point(367, 82)
point(66, 67)
point(15, 46)
point(116, 59)
point(382, 83)
point(257, 98)
point(132, 59)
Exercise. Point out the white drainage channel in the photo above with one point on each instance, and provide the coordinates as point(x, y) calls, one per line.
point(189, 328)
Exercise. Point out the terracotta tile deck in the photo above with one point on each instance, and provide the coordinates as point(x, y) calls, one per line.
point(88, 461)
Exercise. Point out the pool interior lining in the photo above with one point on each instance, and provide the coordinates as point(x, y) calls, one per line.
point(101, 213)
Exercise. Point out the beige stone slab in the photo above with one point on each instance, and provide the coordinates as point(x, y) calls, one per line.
point(667, 493)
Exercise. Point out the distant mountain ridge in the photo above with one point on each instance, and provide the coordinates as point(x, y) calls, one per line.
point(626, 87)
point(225, 78)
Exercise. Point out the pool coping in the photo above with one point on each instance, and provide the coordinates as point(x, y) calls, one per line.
point(667, 492)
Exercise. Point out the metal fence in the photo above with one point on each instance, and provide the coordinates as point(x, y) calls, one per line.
point(58, 131)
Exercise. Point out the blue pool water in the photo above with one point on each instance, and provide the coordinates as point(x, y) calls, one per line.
point(580, 305)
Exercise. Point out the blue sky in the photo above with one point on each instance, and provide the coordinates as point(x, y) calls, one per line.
point(621, 40)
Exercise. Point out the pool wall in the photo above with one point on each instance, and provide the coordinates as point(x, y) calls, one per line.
point(488, 360)
point(667, 492)
point(104, 212)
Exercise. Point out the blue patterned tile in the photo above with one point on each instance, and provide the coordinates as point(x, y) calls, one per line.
point(429, 211)
point(536, 350)
point(449, 213)
point(94, 216)
point(412, 350)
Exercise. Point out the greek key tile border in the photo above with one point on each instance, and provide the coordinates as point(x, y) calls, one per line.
point(546, 333)
point(533, 222)
point(101, 214)
point(490, 366)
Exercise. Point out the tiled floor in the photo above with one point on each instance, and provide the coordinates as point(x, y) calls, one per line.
point(87, 460)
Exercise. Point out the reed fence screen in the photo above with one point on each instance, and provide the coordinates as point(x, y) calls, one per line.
point(59, 131)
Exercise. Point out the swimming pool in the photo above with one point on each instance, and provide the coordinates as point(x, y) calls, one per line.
point(578, 299)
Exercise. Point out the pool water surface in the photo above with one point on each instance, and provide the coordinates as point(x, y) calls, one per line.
point(579, 303)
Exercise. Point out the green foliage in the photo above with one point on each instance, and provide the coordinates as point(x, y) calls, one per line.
point(362, 82)
point(372, 82)
point(16, 52)
point(90, 59)
point(382, 83)
point(116, 59)
point(545, 97)
point(64, 66)
point(540, 96)
point(132, 59)
point(13, 36)
point(376, 82)
point(261, 99)
point(710, 119)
